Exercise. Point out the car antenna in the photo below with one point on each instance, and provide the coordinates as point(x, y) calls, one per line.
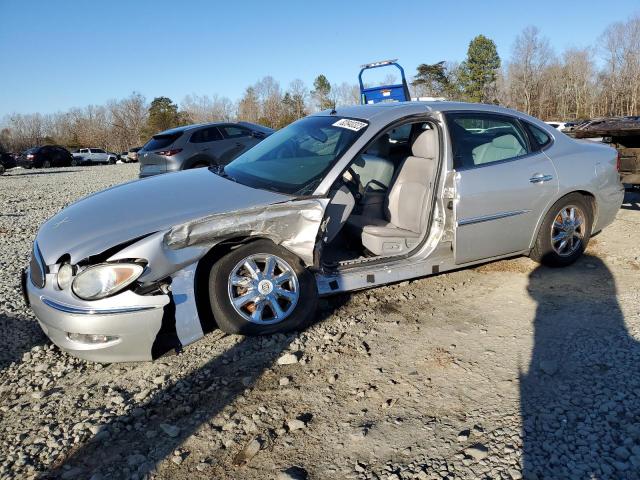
point(333, 110)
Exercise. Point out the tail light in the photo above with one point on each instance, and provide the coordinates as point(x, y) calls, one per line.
point(169, 153)
point(618, 162)
point(30, 156)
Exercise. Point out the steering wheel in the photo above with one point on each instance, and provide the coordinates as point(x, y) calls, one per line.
point(353, 183)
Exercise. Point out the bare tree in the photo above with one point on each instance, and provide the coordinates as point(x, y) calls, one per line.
point(531, 55)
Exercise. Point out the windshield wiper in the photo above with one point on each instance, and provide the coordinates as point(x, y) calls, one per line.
point(219, 170)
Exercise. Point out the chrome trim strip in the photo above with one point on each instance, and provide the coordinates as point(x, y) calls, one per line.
point(488, 218)
point(93, 311)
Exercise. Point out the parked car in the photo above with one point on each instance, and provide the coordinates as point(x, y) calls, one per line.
point(338, 201)
point(93, 156)
point(557, 125)
point(46, 156)
point(7, 161)
point(131, 155)
point(196, 146)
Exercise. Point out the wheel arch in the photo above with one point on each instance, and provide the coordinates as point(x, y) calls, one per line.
point(201, 287)
point(198, 158)
point(590, 197)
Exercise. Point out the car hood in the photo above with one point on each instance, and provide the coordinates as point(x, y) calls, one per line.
point(132, 210)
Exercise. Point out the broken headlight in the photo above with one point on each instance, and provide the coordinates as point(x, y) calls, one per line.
point(106, 279)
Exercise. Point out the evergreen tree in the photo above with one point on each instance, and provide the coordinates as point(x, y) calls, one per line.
point(480, 70)
point(321, 93)
point(163, 115)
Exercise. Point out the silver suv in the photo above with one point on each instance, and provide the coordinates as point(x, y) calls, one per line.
point(195, 146)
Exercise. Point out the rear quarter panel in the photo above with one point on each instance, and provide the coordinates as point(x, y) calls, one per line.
point(589, 167)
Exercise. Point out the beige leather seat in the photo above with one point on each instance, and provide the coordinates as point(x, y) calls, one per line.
point(406, 203)
point(500, 148)
point(375, 170)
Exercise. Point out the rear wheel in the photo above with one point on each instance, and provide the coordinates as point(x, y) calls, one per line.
point(75, 162)
point(1, 169)
point(261, 288)
point(46, 164)
point(565, 232)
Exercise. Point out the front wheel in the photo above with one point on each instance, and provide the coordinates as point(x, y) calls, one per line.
point(261, 288)
point(565, 232)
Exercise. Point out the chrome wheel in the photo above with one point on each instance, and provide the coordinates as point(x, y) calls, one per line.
point(567, 230)
point(263, 288)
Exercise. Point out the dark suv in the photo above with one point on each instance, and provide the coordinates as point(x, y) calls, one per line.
point(195, 146)
point(7, 161)
point(45, 157)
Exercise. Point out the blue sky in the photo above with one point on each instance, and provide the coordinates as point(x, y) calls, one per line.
point(63, 54)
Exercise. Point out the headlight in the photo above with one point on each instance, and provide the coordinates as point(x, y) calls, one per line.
point(103, 280)
point(65, 274)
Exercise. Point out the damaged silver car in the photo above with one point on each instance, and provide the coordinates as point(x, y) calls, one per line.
point(338, 201)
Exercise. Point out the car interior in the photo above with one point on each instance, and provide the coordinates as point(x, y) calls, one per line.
point(380, 205)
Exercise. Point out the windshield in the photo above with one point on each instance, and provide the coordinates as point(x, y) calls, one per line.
point(296, 158)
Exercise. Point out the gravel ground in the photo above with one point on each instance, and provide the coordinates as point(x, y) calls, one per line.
point(504, 371)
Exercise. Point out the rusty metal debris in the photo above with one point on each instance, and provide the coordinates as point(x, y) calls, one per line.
point(622, 133)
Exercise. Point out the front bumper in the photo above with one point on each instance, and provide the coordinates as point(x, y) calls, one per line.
point(134, 319)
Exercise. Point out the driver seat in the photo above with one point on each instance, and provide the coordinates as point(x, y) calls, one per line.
point(405, 204)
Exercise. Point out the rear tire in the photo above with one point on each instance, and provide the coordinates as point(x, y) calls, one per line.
point(262, 295)
point(565, 232)
point(46, 164)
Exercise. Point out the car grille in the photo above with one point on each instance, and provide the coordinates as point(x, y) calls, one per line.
point(36, 268)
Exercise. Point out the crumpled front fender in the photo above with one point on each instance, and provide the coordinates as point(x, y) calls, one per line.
point(293, 224)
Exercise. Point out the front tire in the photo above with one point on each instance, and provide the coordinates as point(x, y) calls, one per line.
point(565, 232)
point(261, 288)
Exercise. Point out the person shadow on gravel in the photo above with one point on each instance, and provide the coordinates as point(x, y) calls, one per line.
point(131, 445)
point(580, 399)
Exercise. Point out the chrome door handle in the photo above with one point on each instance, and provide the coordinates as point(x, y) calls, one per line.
point(539, 178)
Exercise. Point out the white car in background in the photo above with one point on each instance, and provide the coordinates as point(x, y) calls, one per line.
point(92, 156)
point(557, 125)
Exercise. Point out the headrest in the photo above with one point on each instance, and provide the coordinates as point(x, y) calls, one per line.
point(426, 145)
point(380, 147)
point(507, 141)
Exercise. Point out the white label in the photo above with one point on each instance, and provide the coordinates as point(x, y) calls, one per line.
point(349, 124)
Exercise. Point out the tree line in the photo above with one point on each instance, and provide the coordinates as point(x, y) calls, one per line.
point(534, 79)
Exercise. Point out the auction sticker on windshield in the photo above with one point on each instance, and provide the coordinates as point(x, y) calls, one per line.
point(354, 125)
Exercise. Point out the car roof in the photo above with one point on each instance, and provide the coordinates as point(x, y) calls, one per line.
point(382, 113)
point(367, 112)
point(195, 126)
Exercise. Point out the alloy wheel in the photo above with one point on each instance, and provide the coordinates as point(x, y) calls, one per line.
point(567, 230)
point(263, 289)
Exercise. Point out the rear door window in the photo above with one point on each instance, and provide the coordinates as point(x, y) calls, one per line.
point(161, 141)
point(479, 138)
point(233, 131)
point(210, 134)
point(97, 150)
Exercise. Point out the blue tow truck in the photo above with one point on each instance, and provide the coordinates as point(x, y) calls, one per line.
point(398, 92)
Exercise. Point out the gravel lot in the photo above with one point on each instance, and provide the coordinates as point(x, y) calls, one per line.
point(505, 371)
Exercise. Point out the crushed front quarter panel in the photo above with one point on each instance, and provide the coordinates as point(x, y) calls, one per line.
point(293, 224)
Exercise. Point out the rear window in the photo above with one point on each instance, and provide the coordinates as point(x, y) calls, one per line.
point(161, 141)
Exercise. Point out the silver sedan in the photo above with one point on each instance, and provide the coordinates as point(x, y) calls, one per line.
point(338, 201)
